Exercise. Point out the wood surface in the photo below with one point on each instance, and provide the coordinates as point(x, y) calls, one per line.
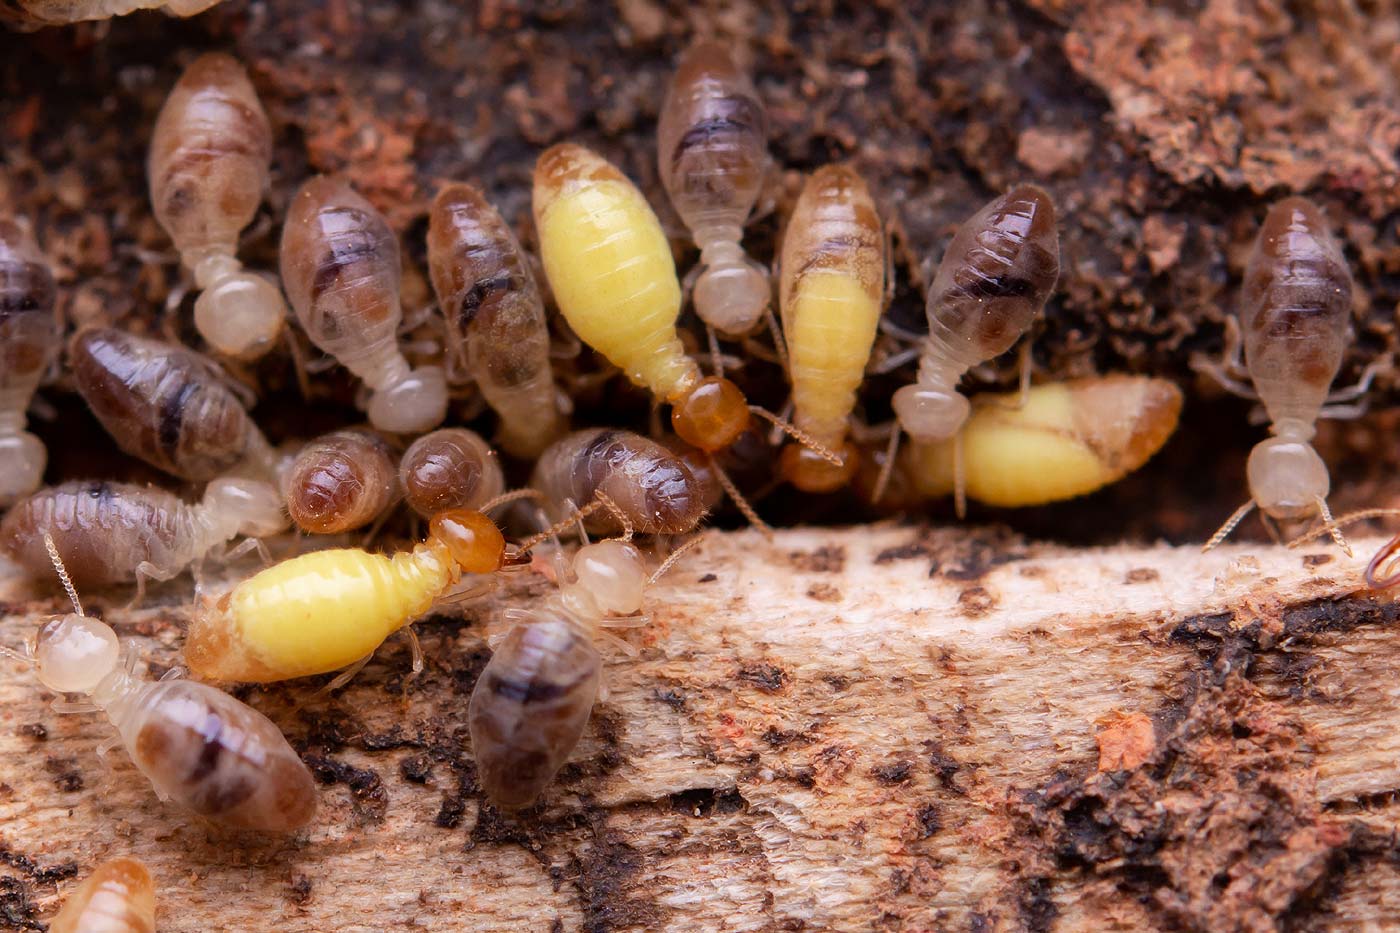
point(883, 728)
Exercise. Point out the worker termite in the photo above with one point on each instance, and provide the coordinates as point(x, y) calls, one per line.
point(711, 156)
point(117, 532)
point(532, 701)
point(340, 266)
point(1295, 317)
point(1061, 441)
point(832, 293)
point(450, 468)
point(340, 481)
point(994, 279)
point(198, 746)
point(29, 339)
point(496, 330)
point(167, 405)
point(208, 167)
point(28, 15)
point(650, 487)
point(118, 897)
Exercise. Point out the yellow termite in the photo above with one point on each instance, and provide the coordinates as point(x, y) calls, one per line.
point(832, 295)
point(1069, 439)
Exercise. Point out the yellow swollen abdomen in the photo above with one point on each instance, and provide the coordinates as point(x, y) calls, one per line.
point(830, 325)
point(611, 270)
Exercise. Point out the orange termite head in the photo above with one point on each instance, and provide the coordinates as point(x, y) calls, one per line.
point(810, 471)
point(473, 540)
point(711, 414)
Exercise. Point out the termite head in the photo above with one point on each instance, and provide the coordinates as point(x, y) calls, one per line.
point(473, 540)
point(614, 574)
point(810, 471)
point(251, 506)
point(930, 414)
point(711, 414)
point(732, 291)
point(411, 405)
point(1287, 478)
point(73, 653)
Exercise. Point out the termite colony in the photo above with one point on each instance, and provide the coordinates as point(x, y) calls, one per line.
point(405, 508)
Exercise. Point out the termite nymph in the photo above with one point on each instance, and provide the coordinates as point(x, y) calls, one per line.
point(167, 405)
point(29, 339)
point(340, 481)
point(208, 168)
point(496, 329)
point(340, 266)
point(198, 746)
point(118, 532)
point(994, 279)
point(832, 294)
point(1295, 317)
point(450, 468)
point(712, 154)
point(29, 15)
point(118, 897)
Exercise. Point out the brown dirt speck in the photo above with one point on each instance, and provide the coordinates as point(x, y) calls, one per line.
point(976, 601)
point(822, 560)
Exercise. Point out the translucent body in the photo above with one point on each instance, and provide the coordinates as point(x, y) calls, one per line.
point(118, 897)
point(652, 486)
point(610, 266)
point(450, 468)
point(167, 405)
point(340, 481)
point(324, 611)
point(711, 156)
point(208, 169)
point(495, 318)
point(340, 266)
point(832, 293)
point(994, 279)
point(1068, 439)
point(198, 746)
point(1295, 317)
point(28, 342)
point(28, 15)
point(117, 532)
point(533, 699)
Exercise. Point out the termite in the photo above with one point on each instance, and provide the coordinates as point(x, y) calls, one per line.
point(450, 468)
point(198, 746)
point(29, 15)
point(496, 330)
point(1058, 441)
point(208, 168)
point(118, 532)
point(532, 701)
point(712, 154)
point(1295, 317)
point(832, 292)
point(118, 897)
point(652, 488)
point(167, 405)
point(340, 266)
point(340, 481)
point(29, 340)
point(995, 278)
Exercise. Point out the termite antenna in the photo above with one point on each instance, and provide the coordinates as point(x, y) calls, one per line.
point(1350, 518)
point(882, 482)
point(578, 515)
point(62, 573)
point(617, 513)
point(515, 495)
point(1228, 527)
point(738, 498)
point(1333, 527)
point(1384, 557)
point(673, 557)
point(799, 435)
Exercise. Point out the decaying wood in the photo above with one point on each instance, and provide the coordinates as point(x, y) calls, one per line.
point(895, 728)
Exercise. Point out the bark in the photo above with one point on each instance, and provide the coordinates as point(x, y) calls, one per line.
point(886, 728)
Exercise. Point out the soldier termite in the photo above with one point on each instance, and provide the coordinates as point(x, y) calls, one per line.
point(832, 294)
point(117, 532)
point(1295, 317)
point(1058, 441)
point(340, 266)
point(118, 897)
point(29, 340)
point(198, 746)
point(496, 330)
point(450, 468)
point(168, 405)
point(712, 154)
point(208, 168)
point(994, 279)
point(340, 481)
point(28, 15)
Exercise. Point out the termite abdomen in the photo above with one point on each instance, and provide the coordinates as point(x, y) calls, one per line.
point(340, 481)
point(451, 468)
